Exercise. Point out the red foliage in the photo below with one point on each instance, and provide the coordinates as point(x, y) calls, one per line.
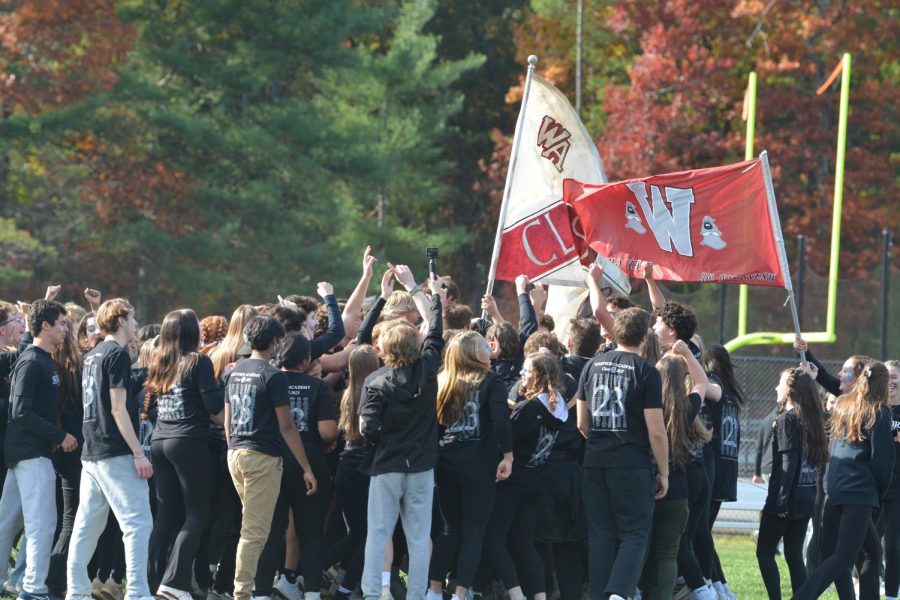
point(57, 52)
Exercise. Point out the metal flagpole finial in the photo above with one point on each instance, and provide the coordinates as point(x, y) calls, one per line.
point(532, 59)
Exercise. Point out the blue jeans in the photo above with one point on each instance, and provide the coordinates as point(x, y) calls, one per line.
point(111, 483)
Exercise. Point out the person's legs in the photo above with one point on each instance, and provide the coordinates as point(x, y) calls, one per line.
point(531, 574)
point(169, 513)
point(697, 529)
point(477, 504)
point(415, 514)
point(129, 500)
point(257, 478)
point(843, 531)
point(37, 485)
point(771, 530)
point(870, 568)
point(794, 536)
point(385, 492)
point(601, 524)
point(353, 498)
point(632, 506)
point(669, 519)
point(449, 494)
point(309, 521)
point(192, 469)
point(11, 520)
point(890, 515)
point(496, 540)
point(68, 465)
point(90, 521)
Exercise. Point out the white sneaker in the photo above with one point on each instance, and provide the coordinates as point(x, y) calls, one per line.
point(615, 597)
point(11, 588)
point(704, 593)
point(385, 593)
point(170, 592)
point(262, 597)
point(286, 590)
point(214, 595)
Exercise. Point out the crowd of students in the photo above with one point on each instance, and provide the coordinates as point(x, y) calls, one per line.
point(311, 447)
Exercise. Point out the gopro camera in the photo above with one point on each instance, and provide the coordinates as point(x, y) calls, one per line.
point(432, 254)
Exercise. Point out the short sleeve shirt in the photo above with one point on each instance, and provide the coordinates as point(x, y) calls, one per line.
point(253, 389)
point(311, 401)
point(181, 412)
point(618, 386)
point(106, 367)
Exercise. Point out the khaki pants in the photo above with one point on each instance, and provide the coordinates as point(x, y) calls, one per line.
point(257, 479)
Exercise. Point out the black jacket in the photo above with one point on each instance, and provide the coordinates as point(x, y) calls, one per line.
point(861, 473)
point(399, 416)
point(33, 427)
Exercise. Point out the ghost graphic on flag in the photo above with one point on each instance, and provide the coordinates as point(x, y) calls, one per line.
point(712, 237)
point(634, 220)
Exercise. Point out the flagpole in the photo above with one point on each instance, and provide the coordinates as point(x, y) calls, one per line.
point(504, 206)
point(750, 107)
point(779, 243)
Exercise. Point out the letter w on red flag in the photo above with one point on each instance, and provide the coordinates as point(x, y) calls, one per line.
point(709, 225)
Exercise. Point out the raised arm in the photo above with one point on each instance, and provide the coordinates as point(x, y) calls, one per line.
point(335, 332)
point(657, 298)
point(695, 369)
point(598, 301)
point(528, 322)
point(368, 325)
point(355, 301)
point(407, 280)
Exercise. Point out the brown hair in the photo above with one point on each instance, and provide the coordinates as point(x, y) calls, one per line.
point(7, 311)
point(683, 435)
point(649, 348)
point(362, 363)
point(457, 316)
point(227, 351)
point(506, 337)
point(631, 326)
point(109, 313)
point(545, 378)
point(855, 412)
point(463, 373)
point(584, 337)
point(177, 353)
point(805, 400)
point(546, 321)
point(543, 339)
point(400, 345)
point(620, 302)
point(68, 364)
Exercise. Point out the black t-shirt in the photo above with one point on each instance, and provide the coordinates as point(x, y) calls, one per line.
point(726, 441)
point(893, 492)
point(183, 411)
point(792, 491)
point(311, 401)
point(573, 365)
point(106, 367)
point(474, 442)
point(617, 387)
point(678, 483)
point(253, 389)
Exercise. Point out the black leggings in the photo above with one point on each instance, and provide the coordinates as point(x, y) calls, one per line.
point(698, 498)
point(466, 502)
point(715, 566)
point(309, 523)
point(352, 490)
point(516, 511)
point(771, 529)
point(219, 512)
point(890, 521)
point(844, 529)
point(182, 474)
point(68, 467)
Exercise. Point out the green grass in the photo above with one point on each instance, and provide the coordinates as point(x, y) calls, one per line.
point(738, 556)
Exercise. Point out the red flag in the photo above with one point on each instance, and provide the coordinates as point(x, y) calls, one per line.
point(709, 225)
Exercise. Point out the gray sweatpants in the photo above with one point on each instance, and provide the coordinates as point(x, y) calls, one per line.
point(409, 496)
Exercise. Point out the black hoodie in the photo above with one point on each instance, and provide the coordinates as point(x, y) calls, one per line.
point(398, 414)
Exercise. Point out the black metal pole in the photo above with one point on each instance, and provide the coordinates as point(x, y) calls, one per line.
point(885, 281)
point(722, 294)
point(801, 276)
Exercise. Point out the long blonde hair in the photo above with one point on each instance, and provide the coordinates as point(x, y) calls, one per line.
point(683, 435)
point(855, 412)
point(227, 351)
point(362, 363)
point(463, 373)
